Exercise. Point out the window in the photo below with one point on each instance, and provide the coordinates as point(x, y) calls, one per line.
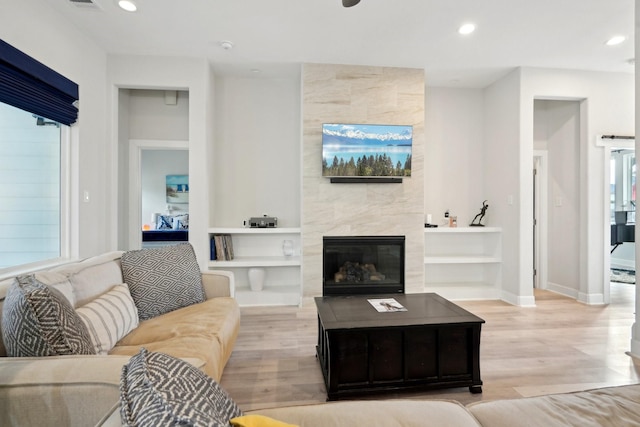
point(37, 105)
point(32, 183)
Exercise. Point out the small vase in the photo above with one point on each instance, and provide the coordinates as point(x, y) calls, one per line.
point(287, 247)
point(256, 278)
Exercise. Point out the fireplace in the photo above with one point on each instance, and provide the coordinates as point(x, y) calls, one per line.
point(356, 265)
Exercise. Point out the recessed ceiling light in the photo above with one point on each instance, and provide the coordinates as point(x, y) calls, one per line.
point(127, 5)
point(615, 40)
point(467, 29)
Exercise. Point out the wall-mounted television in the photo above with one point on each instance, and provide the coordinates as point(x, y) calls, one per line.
point(366, 151)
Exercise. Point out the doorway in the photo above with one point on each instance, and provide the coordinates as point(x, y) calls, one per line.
point(149, 163)
point(557, 188)
point(148, 120)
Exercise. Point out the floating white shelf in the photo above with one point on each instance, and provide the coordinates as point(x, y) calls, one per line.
point(258, 261)
point(245, 230)
point(461, 259)
point(276, 295)
point(463, 230)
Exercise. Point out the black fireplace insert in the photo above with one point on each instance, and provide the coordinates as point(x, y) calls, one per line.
point(357, 265)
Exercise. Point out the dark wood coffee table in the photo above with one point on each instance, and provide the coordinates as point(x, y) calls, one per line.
point(434, 344)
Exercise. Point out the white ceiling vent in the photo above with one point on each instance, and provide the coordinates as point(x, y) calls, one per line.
point(86, 4)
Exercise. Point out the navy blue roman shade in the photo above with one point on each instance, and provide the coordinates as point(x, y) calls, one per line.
point(32, 86)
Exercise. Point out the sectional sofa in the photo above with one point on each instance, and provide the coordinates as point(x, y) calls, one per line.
point(612, 406)
point(79, 389)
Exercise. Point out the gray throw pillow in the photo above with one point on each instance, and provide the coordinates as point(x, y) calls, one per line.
point(162, 279)
point(38, 320)
point(160, 390)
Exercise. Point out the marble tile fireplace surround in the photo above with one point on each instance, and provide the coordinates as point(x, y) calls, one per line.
point(334, 93)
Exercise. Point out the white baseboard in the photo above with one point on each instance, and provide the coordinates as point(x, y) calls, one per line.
point(562, 290)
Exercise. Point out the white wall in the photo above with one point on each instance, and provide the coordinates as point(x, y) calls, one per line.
point(150, 117)
point(63, 48)
point(257, 151)
point(454, 154)
point(502, 177)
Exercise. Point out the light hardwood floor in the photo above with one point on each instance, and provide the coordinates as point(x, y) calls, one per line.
point(560, 345)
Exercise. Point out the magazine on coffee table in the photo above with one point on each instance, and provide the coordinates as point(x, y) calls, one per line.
point(386, 305)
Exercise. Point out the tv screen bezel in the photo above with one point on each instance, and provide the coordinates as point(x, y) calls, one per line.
point(361, 178)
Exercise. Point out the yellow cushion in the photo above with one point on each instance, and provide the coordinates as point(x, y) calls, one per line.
point(257, 421)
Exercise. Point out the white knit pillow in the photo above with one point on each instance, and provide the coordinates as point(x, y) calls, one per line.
point(109, 317)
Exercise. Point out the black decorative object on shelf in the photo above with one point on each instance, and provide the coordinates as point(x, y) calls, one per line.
point(479, 216)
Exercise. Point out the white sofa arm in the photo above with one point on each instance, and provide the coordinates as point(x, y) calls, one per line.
point(218, 283)
point(58, 390)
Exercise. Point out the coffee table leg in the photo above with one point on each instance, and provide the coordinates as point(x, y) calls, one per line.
point(475, 389)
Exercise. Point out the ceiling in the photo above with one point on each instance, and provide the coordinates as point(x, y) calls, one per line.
point(275, 36)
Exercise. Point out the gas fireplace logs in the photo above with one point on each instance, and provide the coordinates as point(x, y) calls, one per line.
point(356, 272)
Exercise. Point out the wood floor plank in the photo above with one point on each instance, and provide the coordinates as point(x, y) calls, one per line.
point(560, 345)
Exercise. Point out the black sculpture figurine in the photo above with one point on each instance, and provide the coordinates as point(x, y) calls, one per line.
point(480, 216)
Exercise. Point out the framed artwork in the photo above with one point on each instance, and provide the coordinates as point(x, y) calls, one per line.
point(177, 188)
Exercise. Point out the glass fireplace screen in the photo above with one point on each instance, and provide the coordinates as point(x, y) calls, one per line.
point(355, 265)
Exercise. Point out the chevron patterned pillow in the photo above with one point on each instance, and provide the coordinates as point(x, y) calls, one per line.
point(160, 390)
point(162, 279)
point(38, 320)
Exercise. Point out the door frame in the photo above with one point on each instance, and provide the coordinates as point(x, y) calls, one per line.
point(136, 146)
point(541, 205)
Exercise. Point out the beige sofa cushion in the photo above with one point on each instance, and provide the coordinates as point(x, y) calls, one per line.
point(379, 413)
point(614, 406)
point(205, 330)
point(94, 276)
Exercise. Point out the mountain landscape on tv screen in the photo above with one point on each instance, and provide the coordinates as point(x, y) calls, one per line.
point(366, 150)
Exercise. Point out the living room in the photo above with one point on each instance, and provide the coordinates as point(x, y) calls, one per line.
point(471, 144)
point(481, 110)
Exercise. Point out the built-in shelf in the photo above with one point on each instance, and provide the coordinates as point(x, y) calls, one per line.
point(258, 261)
point(462, 230)
point(463, 262)
point(454, 259)
point(263, 248)
point(247, 230)
point(282, 295)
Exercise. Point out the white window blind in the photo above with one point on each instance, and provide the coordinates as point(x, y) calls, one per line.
point(30, 196)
